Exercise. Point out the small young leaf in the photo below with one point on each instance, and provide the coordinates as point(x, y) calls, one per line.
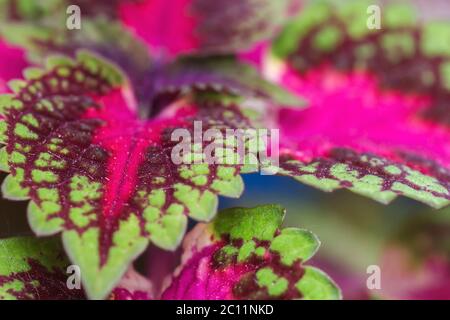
point(243, 254)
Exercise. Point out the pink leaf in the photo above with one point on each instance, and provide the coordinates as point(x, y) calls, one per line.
point(371, 126)
point(243, 254)
point(182, 26)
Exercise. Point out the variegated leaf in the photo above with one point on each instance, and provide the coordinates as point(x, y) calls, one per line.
point(221, 26)
point(377, 122)
point(101, 175)
point(245, 254)
point(34, 269)
point(38, 269)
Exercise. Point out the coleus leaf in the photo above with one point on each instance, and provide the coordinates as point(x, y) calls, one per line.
point(100, 175)
point(11, 65)
point(33, 269)
point(108, 8)
point(36, 11)
point(153, 80)
point(222, 26)
point(244, 254)
point(133, 286)
point(49, 34)
point(111, 40)
point(38, 269)
point(153, 77)
point(42, 31)
point(378, 103)
point(220, 74)
point(405, 278)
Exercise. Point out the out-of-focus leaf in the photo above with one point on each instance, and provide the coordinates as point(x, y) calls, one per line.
point(221, 26)
point(34, 269)
point(415, 263)
point(221, 75)
point(377, 118)
point(11, 64)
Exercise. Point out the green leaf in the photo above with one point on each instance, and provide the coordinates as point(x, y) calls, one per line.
point(259, 258)
point(34, 269)
point(38, 269)
point(221, 74)
point(101, 175)
point(367, 127)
